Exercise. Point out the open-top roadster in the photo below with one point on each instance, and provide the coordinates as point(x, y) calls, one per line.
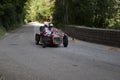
point(55, 38)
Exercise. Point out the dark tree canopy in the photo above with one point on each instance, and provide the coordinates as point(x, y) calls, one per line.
point(92, 13)
point(11, 13)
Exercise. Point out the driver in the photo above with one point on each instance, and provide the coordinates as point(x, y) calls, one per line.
point(46, 30)
point(51, 27)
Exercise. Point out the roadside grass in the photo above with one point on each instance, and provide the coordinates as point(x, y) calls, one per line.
point(15, 27)
point(2, 32)
point(1, 77)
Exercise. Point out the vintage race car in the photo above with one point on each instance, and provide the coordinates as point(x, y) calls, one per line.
point(56, 38)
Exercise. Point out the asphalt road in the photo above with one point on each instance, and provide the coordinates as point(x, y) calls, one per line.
point(21, 59)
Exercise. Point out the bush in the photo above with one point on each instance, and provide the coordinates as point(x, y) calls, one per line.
point(117, 26)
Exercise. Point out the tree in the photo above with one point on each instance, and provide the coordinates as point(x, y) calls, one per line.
point(39, 9)
point(92, 13)
point(11, 13)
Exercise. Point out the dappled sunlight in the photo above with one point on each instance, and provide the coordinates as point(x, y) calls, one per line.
point(38, 10)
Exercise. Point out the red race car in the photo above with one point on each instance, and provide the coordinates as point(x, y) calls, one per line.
point(52, 38)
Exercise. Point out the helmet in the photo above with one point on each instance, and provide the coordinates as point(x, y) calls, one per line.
point(51, 25)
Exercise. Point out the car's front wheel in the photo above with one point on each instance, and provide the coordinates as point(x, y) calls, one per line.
point(65, 41)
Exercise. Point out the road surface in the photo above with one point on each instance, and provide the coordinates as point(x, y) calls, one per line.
point(21, 59)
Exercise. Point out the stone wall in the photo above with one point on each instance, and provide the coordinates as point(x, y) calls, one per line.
point(96, 35)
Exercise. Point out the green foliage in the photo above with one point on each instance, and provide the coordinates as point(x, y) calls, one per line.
point(38, 10)
point(11, 13)
point(92, 13)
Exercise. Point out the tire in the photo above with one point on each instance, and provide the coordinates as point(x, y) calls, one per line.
point(44, 42)
point(65, 41)
point(37, 39)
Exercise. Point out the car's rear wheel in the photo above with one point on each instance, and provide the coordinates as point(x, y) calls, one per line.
point(37, 39)
point(44, 42)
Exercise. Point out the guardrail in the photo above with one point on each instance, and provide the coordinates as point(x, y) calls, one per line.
point(96, 35)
